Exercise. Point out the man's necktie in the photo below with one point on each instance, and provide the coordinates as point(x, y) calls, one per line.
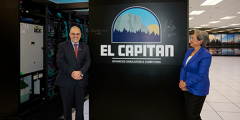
point(76, 50)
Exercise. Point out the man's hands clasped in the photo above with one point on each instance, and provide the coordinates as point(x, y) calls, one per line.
point(76, 75)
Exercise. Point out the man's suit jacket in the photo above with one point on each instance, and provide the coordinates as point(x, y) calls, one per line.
point(67, 63)
point(195, 73)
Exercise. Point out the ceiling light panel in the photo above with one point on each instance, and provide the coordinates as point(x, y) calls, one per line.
point(82, 10)
point(197, 12)
point(223, 26)
point(68, 1)
point(215, 22)
point(227, 17)
point(233, 24)
point(210, 2)
point(190, 18)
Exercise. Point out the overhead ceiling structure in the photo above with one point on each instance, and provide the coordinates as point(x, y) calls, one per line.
point(77, 7)
point(211, 15)
point(68, 1)
point(215, 15)
point(71, 4)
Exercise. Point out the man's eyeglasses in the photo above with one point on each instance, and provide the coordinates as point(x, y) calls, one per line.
point(75, 34)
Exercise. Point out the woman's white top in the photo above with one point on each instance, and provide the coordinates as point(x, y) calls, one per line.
point(188, 59)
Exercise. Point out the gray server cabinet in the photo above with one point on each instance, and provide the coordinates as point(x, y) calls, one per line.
point(31, 52)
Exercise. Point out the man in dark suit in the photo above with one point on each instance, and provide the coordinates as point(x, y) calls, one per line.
point(73, 61)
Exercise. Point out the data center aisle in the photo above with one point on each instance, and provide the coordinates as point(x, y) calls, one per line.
point(223, 102)
point(86, 111)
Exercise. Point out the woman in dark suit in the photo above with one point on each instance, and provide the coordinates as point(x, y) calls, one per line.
point(194, 80)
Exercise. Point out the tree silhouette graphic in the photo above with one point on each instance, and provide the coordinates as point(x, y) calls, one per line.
point(139, 36)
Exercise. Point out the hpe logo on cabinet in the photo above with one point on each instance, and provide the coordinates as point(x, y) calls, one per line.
point(136, 25)
point(140, 29)
point(37, 30)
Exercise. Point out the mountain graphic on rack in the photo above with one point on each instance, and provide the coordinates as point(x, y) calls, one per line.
point(136, 25)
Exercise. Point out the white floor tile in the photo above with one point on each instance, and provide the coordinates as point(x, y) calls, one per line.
point(229, 116)
point(217, 83)
point(238, 104)
point(206, 107)
point(237, 84)
point(220, 77)
point(236, 87)
point(230, 75)
point(211, 88)
point(86, 111)
point(235, 77)
point(86, 106)
point(73, 115)
point(229, 93)
point(224, 107)
point(210, 115)
point(228, 80)
point(211, 72)
point(86, 116)
point(211, 98)
point(213, 92)
point(223, 72)
point(234, 99)
point(236, 73)
point(213, 80)
point(237, 81)
point(214, 75)
point(225, 87)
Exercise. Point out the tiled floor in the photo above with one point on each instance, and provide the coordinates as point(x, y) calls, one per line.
point(86, 111)
point(223, 102)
